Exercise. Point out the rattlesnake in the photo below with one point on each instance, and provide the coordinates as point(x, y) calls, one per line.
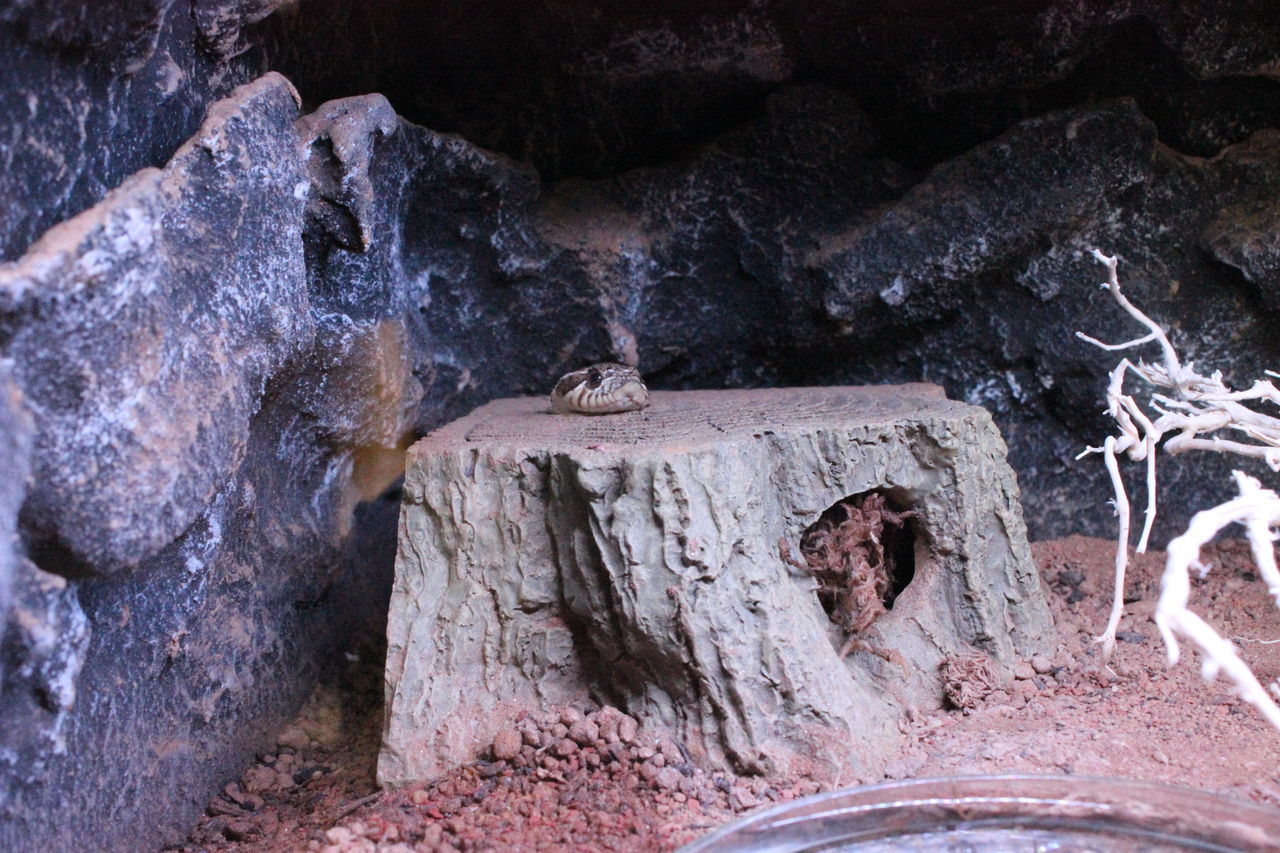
point(600, 389)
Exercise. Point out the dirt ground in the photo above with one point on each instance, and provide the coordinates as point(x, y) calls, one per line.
point(582, 779)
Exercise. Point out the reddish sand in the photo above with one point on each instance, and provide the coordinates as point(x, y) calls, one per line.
point(587, 789)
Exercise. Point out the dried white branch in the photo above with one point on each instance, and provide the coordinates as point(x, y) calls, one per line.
point(1108, 637)
point(1189, 409)
point(1258, 509)
point(1155, 332)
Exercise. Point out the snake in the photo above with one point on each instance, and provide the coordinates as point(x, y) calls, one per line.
point(604, 388)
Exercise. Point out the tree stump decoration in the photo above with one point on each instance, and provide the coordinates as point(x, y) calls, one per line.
point(647, 559)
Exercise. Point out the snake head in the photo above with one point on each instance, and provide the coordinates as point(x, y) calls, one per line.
point(600, 389)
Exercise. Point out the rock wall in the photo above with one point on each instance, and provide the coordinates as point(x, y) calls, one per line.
point(710, 238)
point(15, 459)
point(92, 92)
point(211, 367)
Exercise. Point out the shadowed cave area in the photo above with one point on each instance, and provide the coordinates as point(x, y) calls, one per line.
point(250, 250)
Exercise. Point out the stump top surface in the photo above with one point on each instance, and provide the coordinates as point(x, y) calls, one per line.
point(696, 417)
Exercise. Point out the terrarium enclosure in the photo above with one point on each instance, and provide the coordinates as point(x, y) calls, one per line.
point(251, 250)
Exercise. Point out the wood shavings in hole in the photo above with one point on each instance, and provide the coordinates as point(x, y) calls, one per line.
point(845, 552)
point(967, 679)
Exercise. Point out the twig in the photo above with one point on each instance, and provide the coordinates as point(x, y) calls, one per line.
point(1189, 409)
point(349, 808)
point(1258, 509)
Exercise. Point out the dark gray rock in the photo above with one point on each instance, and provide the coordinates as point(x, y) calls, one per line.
point(456, 267)
point(1246, 232)
point(197, 658)
point(144, 330)
point(1011, 347)
point(187, 289)
point(15, 461)
point(92, 92)
point(591, 92)
point(339, 139)
point(1247, 236)
point(1238, 38)
point(359, 390)
point(699, 267)
point(221, 23)
point(573, 90)
point(1045, 177)
point(42, 653)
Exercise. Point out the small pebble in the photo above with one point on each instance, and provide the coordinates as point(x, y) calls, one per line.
point(584, 732)
point(667, 778)
point(608, 726)
point(506, 744)
point(627, 728)
point(741, 798)
point(339, 835)
point(260, 778)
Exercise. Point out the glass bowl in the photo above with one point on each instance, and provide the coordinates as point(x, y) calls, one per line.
point(1004, 814)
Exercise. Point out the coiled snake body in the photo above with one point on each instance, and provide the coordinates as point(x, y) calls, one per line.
point(600, 389)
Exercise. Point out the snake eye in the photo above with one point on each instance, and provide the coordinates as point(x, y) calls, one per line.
point(594, 378)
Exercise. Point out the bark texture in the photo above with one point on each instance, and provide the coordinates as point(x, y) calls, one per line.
point(635, 558)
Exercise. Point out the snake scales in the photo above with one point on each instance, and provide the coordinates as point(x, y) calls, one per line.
point(600, 389)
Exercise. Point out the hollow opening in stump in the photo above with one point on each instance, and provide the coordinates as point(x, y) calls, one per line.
point(861, 551)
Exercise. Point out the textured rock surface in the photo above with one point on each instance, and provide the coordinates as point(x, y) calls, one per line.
point(92, 92)
point(702, 263)
point(15, 461)
point(42, 653)
point(203, 429)
point(456, 274)
point(636, 556)
point(1044, 177)
point(592, 91)
point(143, 332)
